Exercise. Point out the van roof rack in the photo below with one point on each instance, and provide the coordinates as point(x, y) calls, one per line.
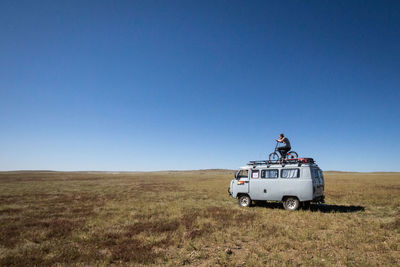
point(298, 161)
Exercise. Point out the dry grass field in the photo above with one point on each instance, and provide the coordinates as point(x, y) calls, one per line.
point(188, 218)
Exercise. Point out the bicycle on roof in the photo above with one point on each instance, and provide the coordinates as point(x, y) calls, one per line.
point(284, 151)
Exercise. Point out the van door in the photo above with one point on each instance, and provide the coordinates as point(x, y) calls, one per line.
point(256, 186)
point(317, 182)
point(271, 181)
point(263, 184)
point(321, 178)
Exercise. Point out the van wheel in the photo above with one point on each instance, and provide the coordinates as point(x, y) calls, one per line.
point(244, 201)
point(291, 203)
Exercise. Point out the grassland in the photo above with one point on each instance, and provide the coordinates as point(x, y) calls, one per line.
point(187, 218)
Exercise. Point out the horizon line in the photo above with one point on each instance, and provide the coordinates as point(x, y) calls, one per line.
point(186, 170)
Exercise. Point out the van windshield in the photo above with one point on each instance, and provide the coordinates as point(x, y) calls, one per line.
point(242, 174)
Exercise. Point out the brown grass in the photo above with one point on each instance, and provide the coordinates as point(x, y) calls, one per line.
point(187, 218)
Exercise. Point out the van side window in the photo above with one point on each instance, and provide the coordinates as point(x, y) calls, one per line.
point(243, 174)
point(269, 174)
point(290, 173)
point(255, 174)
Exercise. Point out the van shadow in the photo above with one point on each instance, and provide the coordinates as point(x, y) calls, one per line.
point(324, 208)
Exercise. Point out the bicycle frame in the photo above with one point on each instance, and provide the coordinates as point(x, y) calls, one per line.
point(276, 147)
point(277, 151)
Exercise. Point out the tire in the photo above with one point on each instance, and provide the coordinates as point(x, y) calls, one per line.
point(244, 201)
point(273, 156)
point(292, 155)
point(291, 203)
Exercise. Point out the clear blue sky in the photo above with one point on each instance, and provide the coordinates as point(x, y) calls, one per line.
point(155, 85)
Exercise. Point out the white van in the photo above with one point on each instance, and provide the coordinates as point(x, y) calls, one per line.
point(294, 182)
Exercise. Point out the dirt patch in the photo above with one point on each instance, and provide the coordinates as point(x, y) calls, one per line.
point(222, 217)
point(127, 250)
point(11, 199)
point(152, 227)
point(60, 227)
point(125, 246)
point(394, 225)
point(389, 188)
point(9, 235)
point(47, 216)
point(204, 229)
point(226, 216)
point(9, 211)
point(189, 218)
point(158, 187)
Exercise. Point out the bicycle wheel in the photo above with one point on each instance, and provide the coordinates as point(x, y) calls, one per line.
point(292, 155)
point(273, 156)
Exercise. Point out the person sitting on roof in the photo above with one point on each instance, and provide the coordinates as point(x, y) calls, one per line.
point(283, 149)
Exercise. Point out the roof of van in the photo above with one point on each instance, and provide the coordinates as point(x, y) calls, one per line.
point(287, 163)
point(277, 166)
point(246, 168)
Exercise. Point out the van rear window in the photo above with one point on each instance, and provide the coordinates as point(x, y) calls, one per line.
point(290, 173)
point(269, 174)
point(315, 173)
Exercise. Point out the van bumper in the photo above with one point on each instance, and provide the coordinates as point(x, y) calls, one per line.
point(229, 191)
